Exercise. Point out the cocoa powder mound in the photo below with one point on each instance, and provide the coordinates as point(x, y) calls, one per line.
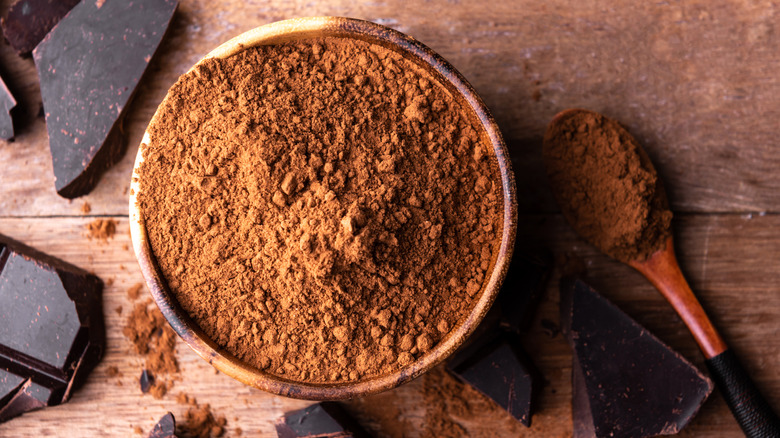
point(325, 210)
point(606, 186)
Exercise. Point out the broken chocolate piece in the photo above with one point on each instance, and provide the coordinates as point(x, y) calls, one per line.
point(626, 382)
point(28, 21)
point(325, 420)
point(165, 428)
point(499, 368)
point(7, 103)
point(52, 332)
point(524, 284)
point(146, 381)
point(89, 66)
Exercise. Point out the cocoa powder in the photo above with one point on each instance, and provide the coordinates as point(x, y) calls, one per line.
point(152, 337)
point(200, 421)
point(606, 186)
point(102, 229)
point(325, 210)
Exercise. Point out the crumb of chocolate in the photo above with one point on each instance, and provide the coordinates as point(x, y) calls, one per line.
point(102, 229)
point(137, 430)
point(86, 208)
point(118, 310)
point(110, 281)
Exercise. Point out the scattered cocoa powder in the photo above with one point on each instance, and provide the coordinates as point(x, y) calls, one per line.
point(184, 399)
point(606, 185)
point(200, 421)
point(450, 409)
point(325, 210)
point(102, 229)
point(134, 291)
point(113, 371)
point(152, 337)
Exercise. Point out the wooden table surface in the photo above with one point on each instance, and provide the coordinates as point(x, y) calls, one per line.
point(695, 81)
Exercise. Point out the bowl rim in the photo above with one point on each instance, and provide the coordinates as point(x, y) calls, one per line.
point(192, 334)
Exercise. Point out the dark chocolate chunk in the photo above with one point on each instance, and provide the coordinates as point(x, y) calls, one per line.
point(89, 66)
point(146, 381)
point(7, 103)
point(52, 333)
point(165, 428)
point(28, 21)
point(524, 284)
point(626, 382)
point(499, 368)
point(325, 420)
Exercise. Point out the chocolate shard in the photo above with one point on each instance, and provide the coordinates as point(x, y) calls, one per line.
point(525, 282)
point(7, 103)
point(146, 381)
point(28, 21)
point(321, 420)
point(52, 333)
point(626, 382)
point(498, 367)
point(89, 66)
point(165, 428)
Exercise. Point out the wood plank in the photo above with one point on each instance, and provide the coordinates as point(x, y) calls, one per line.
point(731, 261)
point(694, 81)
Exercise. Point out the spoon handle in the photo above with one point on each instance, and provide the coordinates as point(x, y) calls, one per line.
point(749, 407)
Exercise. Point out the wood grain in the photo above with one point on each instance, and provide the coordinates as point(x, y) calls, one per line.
point(724, 258)
point(694, 81)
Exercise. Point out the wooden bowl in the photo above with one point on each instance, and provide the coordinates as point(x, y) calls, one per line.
point(301, 29)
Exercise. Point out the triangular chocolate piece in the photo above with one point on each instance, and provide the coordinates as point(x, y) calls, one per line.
point(626, 382)
point(89, 66)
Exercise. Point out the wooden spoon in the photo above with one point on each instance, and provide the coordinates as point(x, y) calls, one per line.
point(751, 410)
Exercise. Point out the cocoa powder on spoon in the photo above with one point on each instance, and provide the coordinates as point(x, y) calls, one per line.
point(606, 186)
